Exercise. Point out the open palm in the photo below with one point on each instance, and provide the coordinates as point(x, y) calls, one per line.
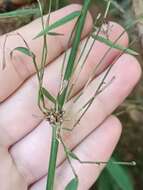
point(24, 134)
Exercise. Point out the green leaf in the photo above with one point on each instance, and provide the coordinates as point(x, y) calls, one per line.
point(120, 176)
point(23, 50)
point(105, 182)
point(20, 13)
point(73, 184)
point(59, 23)
point(72, 57)
point(113, 45)
point(48, 95)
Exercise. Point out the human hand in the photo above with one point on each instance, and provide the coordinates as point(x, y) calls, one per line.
point(25, 139)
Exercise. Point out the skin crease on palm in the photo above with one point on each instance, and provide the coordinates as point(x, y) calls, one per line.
point(25, 139)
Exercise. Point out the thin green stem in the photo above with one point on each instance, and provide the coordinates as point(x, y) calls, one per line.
point(98, 91)
point(89, 103)
point(43, 108)
point(132, 163)
point(68, 157)
point(53, 158)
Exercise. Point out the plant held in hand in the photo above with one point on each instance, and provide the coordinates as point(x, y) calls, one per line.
point(57, 110)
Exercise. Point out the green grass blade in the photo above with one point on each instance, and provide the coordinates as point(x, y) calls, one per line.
point(113, 45)
point(77, 39)
point(20, 13)
point(73, 53)
point(59, 23)
point(120, 176)
point(48, 95)
point(73, 184)
point(23, 50)
point(105, 181)
point(26, 51)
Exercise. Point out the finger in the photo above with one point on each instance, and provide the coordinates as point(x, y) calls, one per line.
point(98, 146)
point(31, 154)
point(9, 175)
point(19, 69)
point(16, 124)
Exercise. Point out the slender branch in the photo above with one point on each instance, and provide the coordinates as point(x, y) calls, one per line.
point(132, 163)
point(43, 108)
point(89, 103)
point(94, 96)
point(68, 157)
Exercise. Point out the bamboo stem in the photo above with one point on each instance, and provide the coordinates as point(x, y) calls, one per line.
point(53, 159)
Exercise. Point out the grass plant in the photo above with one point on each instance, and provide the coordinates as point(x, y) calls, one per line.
point(55, 114)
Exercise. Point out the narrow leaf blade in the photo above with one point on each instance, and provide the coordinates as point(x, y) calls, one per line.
point(72, 185)
point(23, 50)
point(113, 45)
point(59, 23)
point(48, 95)
point(20, 13)
point(72, 57)
point(120, 176)
point(105, 181)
